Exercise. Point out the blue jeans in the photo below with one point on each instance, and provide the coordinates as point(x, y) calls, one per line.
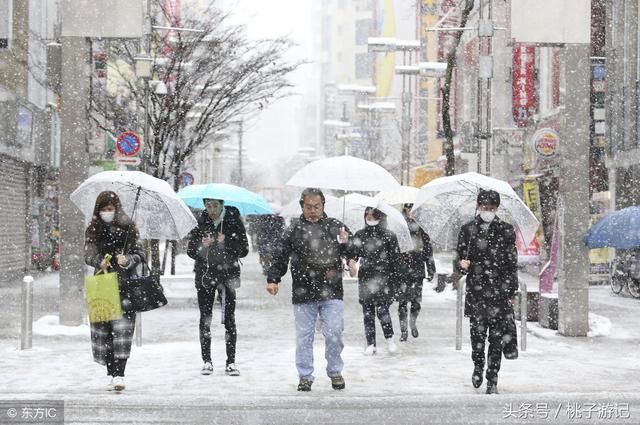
point(331, 314)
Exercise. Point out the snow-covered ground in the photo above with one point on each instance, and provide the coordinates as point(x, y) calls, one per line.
point(426, 381)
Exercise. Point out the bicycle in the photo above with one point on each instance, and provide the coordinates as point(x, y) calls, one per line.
point(625, 272)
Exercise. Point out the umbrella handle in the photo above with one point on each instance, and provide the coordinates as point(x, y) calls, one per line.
point(133, 212)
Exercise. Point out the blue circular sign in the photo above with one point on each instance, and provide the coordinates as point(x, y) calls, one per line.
point(128, 143)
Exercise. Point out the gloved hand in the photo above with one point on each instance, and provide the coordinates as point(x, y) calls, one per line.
point(430, 277)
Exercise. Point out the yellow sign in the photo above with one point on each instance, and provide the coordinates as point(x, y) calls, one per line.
point(532, 197)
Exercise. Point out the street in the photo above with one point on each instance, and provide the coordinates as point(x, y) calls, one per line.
point(427, 381)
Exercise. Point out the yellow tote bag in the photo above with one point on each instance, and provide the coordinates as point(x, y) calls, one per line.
point(103, 297)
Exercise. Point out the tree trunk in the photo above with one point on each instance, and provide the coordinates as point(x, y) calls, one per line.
point(450, 166)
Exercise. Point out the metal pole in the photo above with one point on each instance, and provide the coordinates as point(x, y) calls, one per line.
point(523, 316)
point(139, 330)
point(26, 333)
point(459, 312)
point(240, 130)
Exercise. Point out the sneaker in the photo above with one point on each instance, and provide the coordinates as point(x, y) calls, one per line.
point(414, 332)
point(391, 345)
point(207, 369)
point(232, 370)
point(404, 335)
point(118, 383)
point(476, 378)
point(337, 382)
point(492, 387)
point(370, 350)
point(109, 386)
point(305, 385)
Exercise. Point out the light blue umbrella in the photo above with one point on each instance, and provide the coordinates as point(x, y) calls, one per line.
point(619, 229)
point(247, 202)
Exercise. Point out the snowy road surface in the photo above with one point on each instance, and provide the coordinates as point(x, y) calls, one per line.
point(557, 380)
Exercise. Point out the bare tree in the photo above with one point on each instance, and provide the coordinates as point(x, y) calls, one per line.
point(449, 168)
point(214, 76)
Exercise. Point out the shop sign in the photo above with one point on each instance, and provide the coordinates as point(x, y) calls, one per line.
point(545, 142)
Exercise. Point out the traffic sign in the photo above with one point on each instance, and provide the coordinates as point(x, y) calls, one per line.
point(187, 179)
point(127, 160)
point(128, 143)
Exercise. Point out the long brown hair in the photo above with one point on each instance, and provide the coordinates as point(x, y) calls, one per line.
point(121, 219)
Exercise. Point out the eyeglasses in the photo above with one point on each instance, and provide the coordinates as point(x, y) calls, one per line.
point(313, 207)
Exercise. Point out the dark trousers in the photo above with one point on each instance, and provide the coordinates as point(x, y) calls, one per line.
point(382, 311)
point(479, 326)
point(115, 367)
point(402, 314)
point(206, 298)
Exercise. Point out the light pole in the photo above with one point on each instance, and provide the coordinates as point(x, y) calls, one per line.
point(408, 49)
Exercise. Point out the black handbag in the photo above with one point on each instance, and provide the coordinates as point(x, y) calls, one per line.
point(142, 293)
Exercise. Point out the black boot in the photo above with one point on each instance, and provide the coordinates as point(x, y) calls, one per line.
point(412, 324)
point(476, 378)
point(492, 386)
point(404, 335)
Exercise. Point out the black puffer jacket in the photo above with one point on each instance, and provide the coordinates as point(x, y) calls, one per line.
point(492, 277)
point(379, 254)
point(219, 262)
point(315, 253)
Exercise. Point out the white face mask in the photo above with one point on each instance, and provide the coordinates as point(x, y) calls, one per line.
point(107, 216)
point(487, 216)
point(373, 222)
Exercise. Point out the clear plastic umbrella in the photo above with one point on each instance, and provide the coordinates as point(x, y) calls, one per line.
point(151, 202)
point(445, 203)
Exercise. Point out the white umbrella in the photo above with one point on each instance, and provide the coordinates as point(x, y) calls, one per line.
point(344, 173)
point(350, 210)
point(399, 195)
point(159, 213)
point(445, 203)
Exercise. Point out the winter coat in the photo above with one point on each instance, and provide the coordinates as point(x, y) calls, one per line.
point(220, 261)
point(269, 228)
point(379, 254)
point(492, 277)
point(413, 264)
point(316, 259)
point(111, 240)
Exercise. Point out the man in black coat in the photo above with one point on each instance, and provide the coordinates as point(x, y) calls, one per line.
point(315, 244)
point(216, 245)
point(487, 254)
point(412, 275)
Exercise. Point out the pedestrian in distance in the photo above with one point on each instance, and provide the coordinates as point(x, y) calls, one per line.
point(315, 244)
point(486, 253)
point(216, 244)
point(111, 245)
point(377, 249)
point(412, 275)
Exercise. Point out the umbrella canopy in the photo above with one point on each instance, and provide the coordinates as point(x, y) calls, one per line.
point(619, 229)
point(350, 210)
point(159, 213)
point(247, 202)
point(399, 195)
point(445, 203)
point(344, 173)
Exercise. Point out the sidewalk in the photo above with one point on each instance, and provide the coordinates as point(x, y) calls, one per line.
point(426, 373)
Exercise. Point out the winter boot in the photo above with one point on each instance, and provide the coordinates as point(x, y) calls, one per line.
point(305, 385)
point(476, 378)
point(404, 335)
point(492, 387)
point(337, 382)
point(412, 324)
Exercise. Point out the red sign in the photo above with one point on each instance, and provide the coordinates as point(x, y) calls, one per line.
point(524, 95)
point(128, 143)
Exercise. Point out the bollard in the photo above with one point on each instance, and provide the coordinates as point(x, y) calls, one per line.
point(26, 331)
point(523, 316)
point(459, 312)
point(138, 329)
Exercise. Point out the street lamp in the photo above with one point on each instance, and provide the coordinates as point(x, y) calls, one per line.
point(408, 48)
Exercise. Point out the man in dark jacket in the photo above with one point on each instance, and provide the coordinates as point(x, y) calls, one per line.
point(412, 275)
point(487, 254)
point(315, 244)
point(216, 244)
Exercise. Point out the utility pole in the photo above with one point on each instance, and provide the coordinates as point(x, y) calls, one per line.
point(573, 290)
point(240, 131)
point(73, 170)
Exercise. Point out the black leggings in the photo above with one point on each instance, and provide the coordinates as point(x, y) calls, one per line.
point(115, 367)
point(402, 313)
point(206, 298)
point(382, 311)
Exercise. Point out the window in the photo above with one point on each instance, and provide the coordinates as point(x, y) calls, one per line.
point(363, 30)
point(5, 23)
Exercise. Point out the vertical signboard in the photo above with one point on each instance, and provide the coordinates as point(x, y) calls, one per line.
point(524, 94)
